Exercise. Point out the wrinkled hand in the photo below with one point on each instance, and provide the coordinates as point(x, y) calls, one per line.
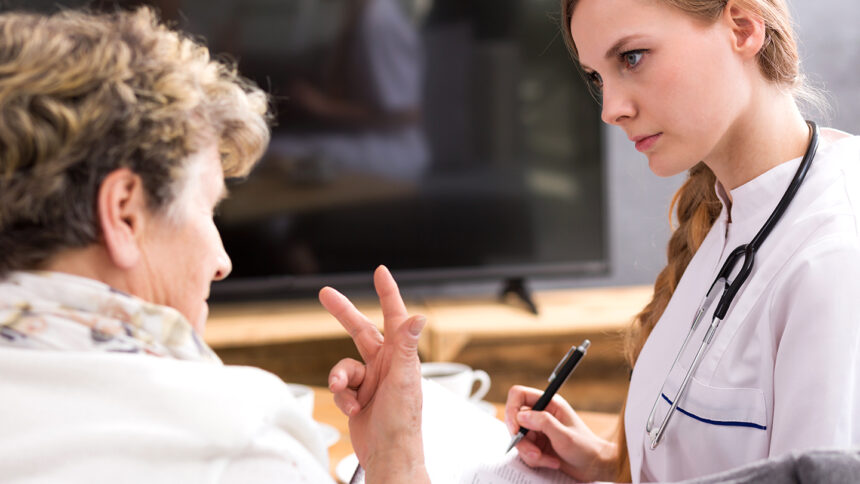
point(558, 438)
point(382, 396)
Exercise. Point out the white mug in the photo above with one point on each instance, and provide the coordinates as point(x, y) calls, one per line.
point(305, 396)
point(458, 378)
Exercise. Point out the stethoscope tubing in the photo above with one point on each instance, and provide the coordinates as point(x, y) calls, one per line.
point(749, 250)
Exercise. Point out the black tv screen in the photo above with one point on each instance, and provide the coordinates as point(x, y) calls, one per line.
point(447, 139)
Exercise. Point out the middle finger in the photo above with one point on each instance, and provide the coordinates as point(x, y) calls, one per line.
point(393, 307)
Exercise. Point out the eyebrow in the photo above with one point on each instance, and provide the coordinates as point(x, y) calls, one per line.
point(616, 49)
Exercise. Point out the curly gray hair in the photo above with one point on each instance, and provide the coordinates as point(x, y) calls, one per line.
point(82, 95)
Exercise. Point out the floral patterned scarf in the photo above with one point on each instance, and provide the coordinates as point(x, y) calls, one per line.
point(55, 311)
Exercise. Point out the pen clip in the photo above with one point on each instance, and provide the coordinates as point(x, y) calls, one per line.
point(561, 363)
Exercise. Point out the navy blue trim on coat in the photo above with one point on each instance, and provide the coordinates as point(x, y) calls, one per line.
point(715, 422)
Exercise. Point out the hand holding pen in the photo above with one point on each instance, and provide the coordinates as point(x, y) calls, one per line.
point(559, 375)
point(557, 437)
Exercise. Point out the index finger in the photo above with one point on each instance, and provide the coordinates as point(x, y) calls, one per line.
point(393, 307)
point(519, 397)
point(362, 331)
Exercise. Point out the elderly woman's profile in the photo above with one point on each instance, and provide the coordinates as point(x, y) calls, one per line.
point(116, 135)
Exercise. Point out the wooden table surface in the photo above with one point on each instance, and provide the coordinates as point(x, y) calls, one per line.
point(326, 411)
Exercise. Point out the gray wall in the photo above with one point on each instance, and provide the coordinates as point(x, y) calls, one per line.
point(830, 50)
point(639, 200)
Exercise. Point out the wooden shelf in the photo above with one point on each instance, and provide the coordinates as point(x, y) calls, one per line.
point(451, 323)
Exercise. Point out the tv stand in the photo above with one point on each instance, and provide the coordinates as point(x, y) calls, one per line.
point(516, 286)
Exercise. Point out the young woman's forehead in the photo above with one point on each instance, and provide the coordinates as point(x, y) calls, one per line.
point(601, 27)
point(598, 25)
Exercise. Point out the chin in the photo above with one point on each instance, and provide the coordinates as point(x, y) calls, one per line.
point(666, 168)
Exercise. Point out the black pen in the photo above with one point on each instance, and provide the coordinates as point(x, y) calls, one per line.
point(556, 380)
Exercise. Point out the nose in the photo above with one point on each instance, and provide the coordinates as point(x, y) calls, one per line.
point(223, 266)
point(618, 105)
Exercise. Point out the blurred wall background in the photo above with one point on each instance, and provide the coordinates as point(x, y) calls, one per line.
point(637, 200)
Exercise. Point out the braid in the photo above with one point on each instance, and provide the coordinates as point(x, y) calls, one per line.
point(697, 207)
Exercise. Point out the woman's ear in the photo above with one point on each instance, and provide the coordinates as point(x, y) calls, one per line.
point(747, 27)
point(122, 214)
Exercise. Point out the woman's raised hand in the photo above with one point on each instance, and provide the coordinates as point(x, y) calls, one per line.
point(558, 438)
point(382, 396)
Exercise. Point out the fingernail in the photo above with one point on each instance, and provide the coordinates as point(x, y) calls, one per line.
point(524, 417)
point(531, 454)
point(417, 325)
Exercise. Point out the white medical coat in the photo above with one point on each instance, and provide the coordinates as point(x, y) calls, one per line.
point(782, 372)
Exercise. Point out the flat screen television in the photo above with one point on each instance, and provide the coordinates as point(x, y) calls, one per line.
point(447, 139)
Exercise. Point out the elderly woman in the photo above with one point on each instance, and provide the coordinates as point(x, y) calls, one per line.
point(115, 137)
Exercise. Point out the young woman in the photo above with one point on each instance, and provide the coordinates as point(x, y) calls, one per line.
point(710, 86)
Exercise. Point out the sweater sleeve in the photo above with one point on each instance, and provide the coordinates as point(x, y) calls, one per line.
point(274, 456)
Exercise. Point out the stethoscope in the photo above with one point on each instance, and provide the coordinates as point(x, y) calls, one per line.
point(729, 290)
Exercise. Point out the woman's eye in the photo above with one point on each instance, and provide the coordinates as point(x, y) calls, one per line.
point(596, 81)
point(633, 57)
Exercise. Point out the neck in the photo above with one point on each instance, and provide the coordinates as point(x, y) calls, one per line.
point(91, 262)
point(769, 132)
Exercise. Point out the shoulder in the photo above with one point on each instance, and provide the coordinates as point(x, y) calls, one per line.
point(828, 203)
point(386, 26)
point(383, 12)
point(820, 235)
point(206, 412)
point(838, 148)
point(135, 381)
point(832, 134)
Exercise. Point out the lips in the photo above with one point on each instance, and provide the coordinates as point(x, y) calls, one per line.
point(645, 143)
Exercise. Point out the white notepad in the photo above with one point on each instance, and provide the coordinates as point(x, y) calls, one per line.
point(465, 445)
